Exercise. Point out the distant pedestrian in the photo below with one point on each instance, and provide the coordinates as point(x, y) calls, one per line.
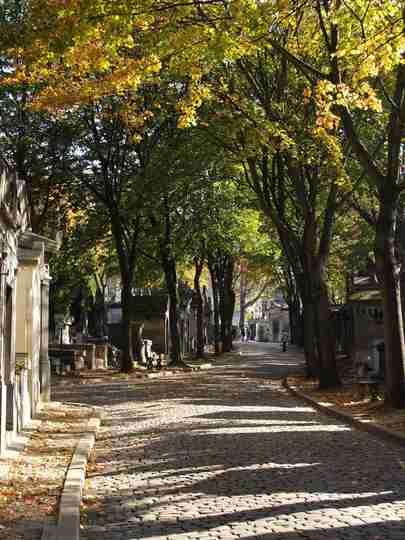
point(284, 341)
point(242, 334)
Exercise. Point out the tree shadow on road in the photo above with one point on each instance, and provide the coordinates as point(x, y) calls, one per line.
point(238, 452)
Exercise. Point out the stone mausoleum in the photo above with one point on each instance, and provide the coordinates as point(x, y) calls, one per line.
point(24, 308)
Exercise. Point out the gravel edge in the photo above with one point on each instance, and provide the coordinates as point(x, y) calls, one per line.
point(364, 425)
point(68, 523)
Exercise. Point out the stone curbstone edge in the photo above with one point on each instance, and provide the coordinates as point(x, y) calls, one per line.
point(68, 523)
point(367, 426)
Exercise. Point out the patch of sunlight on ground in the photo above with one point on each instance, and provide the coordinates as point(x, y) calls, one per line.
point(254, 408)
point(265, 422)
point(269, 429)
point(275, 466)
point(281, 498)
point(305, 520)
point(330, 495)
point(374, 512)
point(263, 466)
point(265, 361)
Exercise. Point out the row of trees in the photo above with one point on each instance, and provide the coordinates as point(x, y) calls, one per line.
point(136, 205)
point(178, 117)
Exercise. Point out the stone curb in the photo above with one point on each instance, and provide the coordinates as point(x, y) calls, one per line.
point(68, 524)
point(370, 427)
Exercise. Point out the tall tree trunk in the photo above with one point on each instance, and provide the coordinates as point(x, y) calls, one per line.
point(309, 321)
point(207, 316)
point(294, 305)
point(170, 271)
point(215, 301)
point(198, 268)
point(388, 266)
point(127, 364)
point(127, 267)
point(319, 330)
point(310, 348)
point(388, 271)
point(242, 299)
point(226, 302)
point(138, 344)
point(314, 260)
point(169, 268)
point(97, 314)
point(326, 338)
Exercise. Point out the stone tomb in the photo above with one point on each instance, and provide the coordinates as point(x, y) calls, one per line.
point(32, 325)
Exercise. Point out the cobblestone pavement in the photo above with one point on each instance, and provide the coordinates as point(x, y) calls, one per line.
point(228, 454)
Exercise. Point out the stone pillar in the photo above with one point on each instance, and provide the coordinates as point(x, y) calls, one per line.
point(24, 415)
point(45, 366)
point(11, 413)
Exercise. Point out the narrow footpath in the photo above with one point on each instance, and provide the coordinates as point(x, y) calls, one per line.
point(227, 453)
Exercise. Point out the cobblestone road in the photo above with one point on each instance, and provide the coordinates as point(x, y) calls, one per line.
point(229, 454)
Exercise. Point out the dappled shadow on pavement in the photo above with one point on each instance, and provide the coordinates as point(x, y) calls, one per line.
point(228, 454)
point(250, 525)
point(263, 361)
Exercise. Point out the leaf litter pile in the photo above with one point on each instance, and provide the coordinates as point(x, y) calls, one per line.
point(348, 399)
point(29, 495)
